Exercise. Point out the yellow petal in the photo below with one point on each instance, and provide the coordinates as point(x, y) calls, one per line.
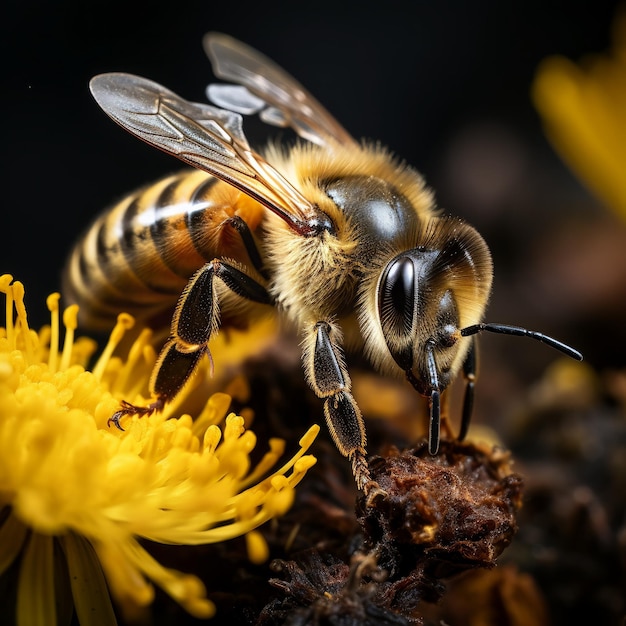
point(583, 107)
point(35, 594)
point(89, 588)
point(12, 535)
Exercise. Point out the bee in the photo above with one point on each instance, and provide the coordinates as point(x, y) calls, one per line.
point(343, 239)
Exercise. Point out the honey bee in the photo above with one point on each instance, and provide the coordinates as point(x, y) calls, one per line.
point(340, 237)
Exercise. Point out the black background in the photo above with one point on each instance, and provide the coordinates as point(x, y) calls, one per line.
point(444, 84)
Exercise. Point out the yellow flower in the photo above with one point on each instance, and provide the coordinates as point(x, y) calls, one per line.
point(76, 496)
point(584, 112)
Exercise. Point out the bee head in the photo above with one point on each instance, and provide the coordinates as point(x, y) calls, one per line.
point(426, 295)
point(430, 300)
point(419, 319)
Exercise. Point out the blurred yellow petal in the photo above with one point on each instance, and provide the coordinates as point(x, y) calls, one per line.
point(88, 583)
point(12, 536)
point(35, 594)
point(583, 108)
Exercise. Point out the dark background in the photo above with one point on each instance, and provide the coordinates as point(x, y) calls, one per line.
point(445, 85)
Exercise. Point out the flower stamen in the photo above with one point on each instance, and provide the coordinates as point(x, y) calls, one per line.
point(52, 301)
point(68, 480)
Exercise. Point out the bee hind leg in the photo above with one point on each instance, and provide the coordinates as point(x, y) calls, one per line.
point(195, 320)
point(126, 408)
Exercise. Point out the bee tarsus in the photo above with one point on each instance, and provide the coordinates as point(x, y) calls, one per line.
point(128, 409)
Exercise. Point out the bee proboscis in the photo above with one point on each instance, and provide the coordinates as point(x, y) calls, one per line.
point(340, 237)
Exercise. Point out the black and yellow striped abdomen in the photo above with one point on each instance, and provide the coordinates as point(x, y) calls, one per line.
point(138, 256)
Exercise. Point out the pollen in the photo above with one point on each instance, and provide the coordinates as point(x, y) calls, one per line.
point(73, 489)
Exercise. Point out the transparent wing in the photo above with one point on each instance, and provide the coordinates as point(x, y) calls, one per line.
point(204, 136)
point(267, 89)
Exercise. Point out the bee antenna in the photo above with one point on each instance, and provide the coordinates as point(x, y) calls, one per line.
point(505, 329)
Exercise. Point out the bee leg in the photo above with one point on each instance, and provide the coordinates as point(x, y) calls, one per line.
point(196, 318)
point(329, 379)
point(469, 373)
point(445, 412)
point(245, 233)
point(130, 409)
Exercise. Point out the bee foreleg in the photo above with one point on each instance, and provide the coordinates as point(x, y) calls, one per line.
point(329, 379)
point(196, 318)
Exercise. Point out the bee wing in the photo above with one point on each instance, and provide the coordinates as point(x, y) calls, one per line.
point(204, 136)
point(265, 88)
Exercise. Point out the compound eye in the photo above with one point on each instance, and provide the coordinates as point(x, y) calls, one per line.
point(397, 298)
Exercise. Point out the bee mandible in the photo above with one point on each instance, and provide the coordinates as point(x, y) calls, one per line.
point(340, 237)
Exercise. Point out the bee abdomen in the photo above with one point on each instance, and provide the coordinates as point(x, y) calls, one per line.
point(138, 256)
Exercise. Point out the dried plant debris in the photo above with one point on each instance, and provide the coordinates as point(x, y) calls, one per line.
point(453, 511)
point(325, 590)
point(435, 516)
